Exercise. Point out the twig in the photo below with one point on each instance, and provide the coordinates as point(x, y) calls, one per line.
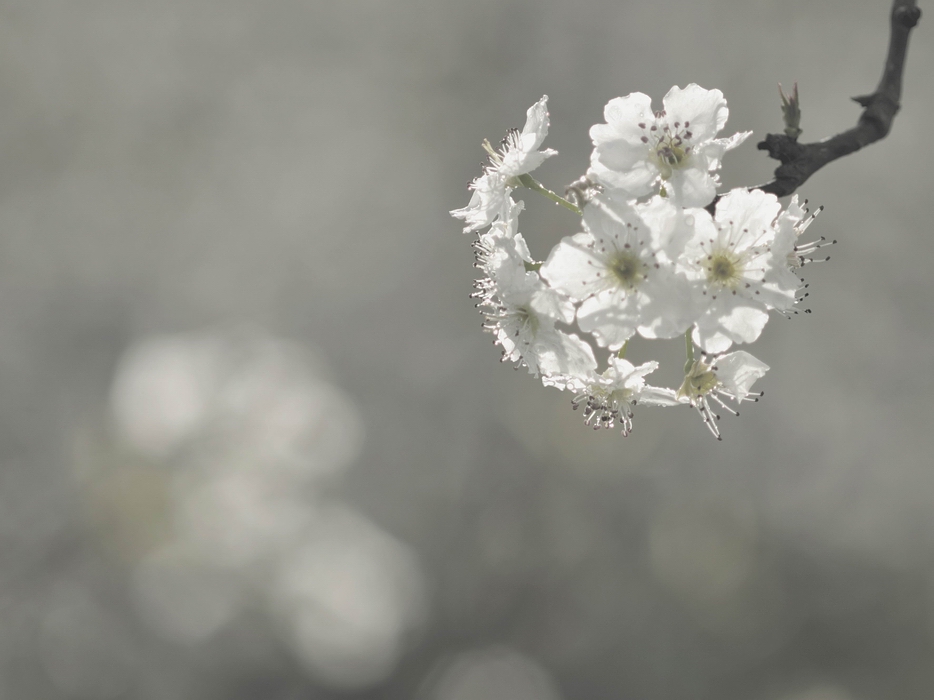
point(800, 161)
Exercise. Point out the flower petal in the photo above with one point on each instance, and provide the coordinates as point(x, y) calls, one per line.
point(563, 359)
point(752, 209)
point(569, 265)
point(692, 187)
point(727, 322)
point(738, 371)
point(536, 126)
point(486, 202)
point(636, 180)
point(623, 116)
point(610, 316)
point(704, 110)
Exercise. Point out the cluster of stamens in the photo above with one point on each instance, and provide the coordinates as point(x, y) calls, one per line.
point(669, 146)
point(702, 384)
point(500, 316)
point(605, 412)
point(623, 268)
point(730, 269)
point(509, 141)
point(485, 287)
point(804, 252)
point(627, 268)
point(519, 322)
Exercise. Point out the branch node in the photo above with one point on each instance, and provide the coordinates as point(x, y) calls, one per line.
point(800, 161)
point(781, 147)
point(907, 16)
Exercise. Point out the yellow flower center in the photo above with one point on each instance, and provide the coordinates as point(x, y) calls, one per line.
point(700, 380)
point(671, 154)
point(627, 268)
point(724, 269)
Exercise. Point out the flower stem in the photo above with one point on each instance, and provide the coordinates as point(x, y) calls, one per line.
point(689, 347)
point(622, 351)
point(527, 180)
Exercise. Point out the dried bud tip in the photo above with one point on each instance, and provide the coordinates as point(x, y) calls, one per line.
point(791, 112)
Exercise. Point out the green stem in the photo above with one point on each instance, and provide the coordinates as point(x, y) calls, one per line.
point(533, 184)
point(689, 347)
point(622, 351)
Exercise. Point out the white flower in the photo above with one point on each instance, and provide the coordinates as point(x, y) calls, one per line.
point(608, 398)
point(521, 311)
point(522, 318)
point(519, 153)
point(489, 193)
point(727, 376)
point(621, 268)
point(500, 244)
point(742, 274)
point(636, 150)
point(517, 156)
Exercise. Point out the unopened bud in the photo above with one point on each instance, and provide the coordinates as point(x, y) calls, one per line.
point(791, 112)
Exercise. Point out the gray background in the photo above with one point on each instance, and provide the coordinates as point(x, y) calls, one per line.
point(179, 168)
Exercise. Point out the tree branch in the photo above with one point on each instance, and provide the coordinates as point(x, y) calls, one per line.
point(800, 161)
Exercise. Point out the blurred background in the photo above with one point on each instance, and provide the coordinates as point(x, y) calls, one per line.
point(254, 444)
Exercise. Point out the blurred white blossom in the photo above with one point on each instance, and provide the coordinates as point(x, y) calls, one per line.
point(248, 429)
point(239, 399)
point(348, 598)
point(493, 672)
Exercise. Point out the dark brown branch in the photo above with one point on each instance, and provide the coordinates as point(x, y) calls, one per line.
point(800, 161)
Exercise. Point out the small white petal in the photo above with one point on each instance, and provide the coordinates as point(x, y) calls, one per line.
point(570, 266)
point(728, 323)
point(657, 396)
point(623, 116)
point(536, 125)
point(636, 180)
point(704, 110)
point(692, 187)
point(489, 195)
point(563, 359)
point(738, 371)
point(752, 209)
point(611, 321)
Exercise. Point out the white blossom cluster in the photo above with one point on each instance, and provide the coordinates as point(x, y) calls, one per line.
point(651, 261)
